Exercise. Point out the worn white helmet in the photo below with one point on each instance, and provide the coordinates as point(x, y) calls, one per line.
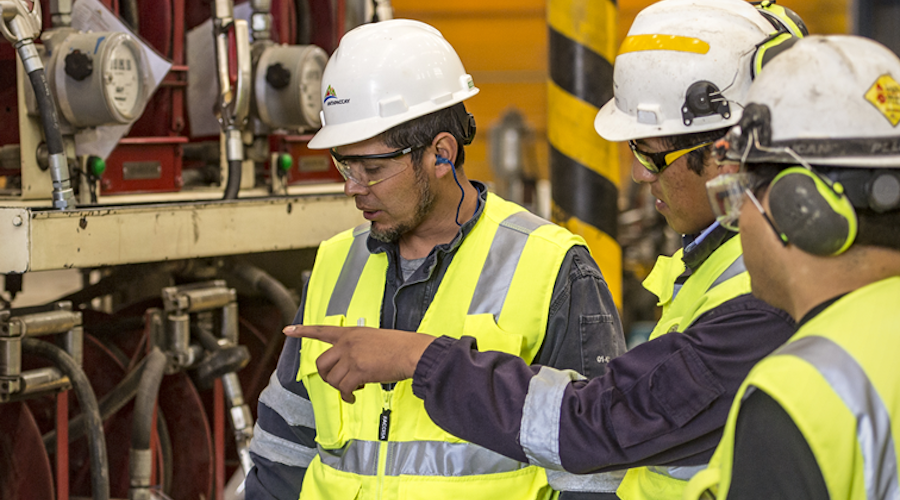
point(685, 67)
point(833, 100)
point(384, 74)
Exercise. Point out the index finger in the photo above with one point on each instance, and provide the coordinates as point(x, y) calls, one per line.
point(329, 334)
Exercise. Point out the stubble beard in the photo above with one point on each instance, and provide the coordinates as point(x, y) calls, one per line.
point(424, 206)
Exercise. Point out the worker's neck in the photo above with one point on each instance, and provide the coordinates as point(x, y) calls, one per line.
point(815, 280)
point(439, 226)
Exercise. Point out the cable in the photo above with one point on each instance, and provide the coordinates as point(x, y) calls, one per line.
point(88, 403)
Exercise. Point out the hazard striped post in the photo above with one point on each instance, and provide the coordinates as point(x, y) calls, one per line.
point(584, 169)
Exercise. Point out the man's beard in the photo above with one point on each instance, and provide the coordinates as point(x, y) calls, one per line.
point(423, 208)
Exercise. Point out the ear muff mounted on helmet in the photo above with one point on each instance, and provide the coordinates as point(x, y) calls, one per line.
point(812, 212)
point(788, 29)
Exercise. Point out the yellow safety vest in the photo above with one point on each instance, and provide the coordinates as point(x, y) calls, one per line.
point(497, 289)
point(837, 379)
point(721, 278)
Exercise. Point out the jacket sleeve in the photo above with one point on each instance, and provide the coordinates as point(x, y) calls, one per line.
point(584, 333)
point(663, 402)
point(284, 436)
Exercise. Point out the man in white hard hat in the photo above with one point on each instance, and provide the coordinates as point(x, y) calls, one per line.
point(438, 253)
point(680, 81)
point(818, 206)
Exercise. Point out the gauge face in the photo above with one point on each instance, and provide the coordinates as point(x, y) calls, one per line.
point(310, 86)
point(122, 80)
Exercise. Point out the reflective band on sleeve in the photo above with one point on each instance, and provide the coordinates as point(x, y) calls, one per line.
point(419, 458)
point(294, 409)
point(737, 267)
point(873, 429)
point(350, 273)
point(640, 43)
point(539, 431)
point(682, 473)
point(356, 457)
point(280, 450)
point(438, 458)
point(500, 266)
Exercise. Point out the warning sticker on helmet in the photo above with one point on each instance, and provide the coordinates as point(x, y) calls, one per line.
point(885, 96)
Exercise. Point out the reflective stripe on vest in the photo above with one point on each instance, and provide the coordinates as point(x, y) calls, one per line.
point(681, 473)
point(736, 267)
point(850, 382)
point(493, 283)
point(418, 458)
point(501, 263)
point(350, 273)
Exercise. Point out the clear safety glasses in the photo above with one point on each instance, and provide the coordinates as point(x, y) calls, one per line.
point(368, 170)
point(726, 196)
point(657, 162)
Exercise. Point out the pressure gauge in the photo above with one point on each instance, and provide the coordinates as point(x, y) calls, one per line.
point(286, 86)
point(99, 79)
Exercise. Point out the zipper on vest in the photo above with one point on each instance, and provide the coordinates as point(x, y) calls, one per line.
point(384, 421)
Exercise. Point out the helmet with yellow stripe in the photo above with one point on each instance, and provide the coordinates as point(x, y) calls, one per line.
point(686, 66)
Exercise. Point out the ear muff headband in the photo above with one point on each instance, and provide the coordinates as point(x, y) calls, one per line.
point(789, 28)
point(774, 45)
point(812, 212)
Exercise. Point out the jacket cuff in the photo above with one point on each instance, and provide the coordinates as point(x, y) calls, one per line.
point(433, 355)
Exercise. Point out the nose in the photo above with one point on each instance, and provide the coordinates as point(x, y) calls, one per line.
point(353, 188)
point(640, 174)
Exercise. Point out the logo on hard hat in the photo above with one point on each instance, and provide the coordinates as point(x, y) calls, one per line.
point(885, 96)
point(331, 97)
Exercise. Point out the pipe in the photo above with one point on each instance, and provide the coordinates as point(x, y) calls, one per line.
point(270, 288)
point(141, 457)
point(88, 402)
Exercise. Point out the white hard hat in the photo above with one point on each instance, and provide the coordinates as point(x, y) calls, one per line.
point(682, 68)
point(833, 100)
point(384, 74)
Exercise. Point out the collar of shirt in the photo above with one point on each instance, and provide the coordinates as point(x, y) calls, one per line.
point(698, 247)
point(393, 249)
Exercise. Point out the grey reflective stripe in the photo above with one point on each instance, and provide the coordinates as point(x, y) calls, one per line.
point(294, 409)
point(675, 472)
point(873, 421)
point(350, 273)
point(280, 450)
point(356, 457)
point(539, 430)
point(418, 458)
point(502, 260)
point(604, 482)
point(737, 267)
point(438, 458)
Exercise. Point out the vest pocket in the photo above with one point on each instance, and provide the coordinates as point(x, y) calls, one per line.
point(493, 338)
point(322, 482)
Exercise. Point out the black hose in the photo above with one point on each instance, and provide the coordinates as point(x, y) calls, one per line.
point(271, 288)
point(111, 403)
point(234, 180)
point(206, 338)
point(128, 9)
point(49, 118)
point(89, 406)
point(148, 389)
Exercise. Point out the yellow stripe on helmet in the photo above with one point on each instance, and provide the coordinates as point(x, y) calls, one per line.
point(640, 43)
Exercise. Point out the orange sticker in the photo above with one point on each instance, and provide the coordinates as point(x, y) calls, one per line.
point(885, 96)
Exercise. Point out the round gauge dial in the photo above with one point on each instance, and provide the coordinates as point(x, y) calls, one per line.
point(122, 79)
point(310, 86)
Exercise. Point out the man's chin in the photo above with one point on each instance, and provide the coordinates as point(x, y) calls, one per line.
point(385, 234)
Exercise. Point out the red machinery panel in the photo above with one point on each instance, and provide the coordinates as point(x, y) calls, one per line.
point(144, 165)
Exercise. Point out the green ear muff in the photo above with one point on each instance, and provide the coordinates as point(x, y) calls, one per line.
point(812, 212)
point(789, 28)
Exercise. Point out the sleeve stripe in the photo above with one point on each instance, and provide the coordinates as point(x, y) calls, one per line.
point(279, 450)
point(539, 431)
point(295, 410)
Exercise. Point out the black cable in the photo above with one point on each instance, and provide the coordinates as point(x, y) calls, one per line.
point(88, 403)
point(234, 180)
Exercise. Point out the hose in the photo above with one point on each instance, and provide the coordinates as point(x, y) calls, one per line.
point(234, 180)
point(89, 406)
point(270, 288)
point(141, 463)
point(128, 9)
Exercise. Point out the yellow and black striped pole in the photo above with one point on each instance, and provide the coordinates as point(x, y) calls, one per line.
point(584, 169)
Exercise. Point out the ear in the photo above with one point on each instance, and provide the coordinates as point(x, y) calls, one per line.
point(729, 167)
point(445, 145)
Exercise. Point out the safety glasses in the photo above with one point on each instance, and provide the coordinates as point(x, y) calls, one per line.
point(726, 197)
point(657, 162)
point(368, 170)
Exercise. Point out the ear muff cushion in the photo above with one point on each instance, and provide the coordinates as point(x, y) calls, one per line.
point(810, 213)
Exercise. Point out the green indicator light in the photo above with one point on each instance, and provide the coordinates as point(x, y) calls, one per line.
point(285, 162)
point(96, 166)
